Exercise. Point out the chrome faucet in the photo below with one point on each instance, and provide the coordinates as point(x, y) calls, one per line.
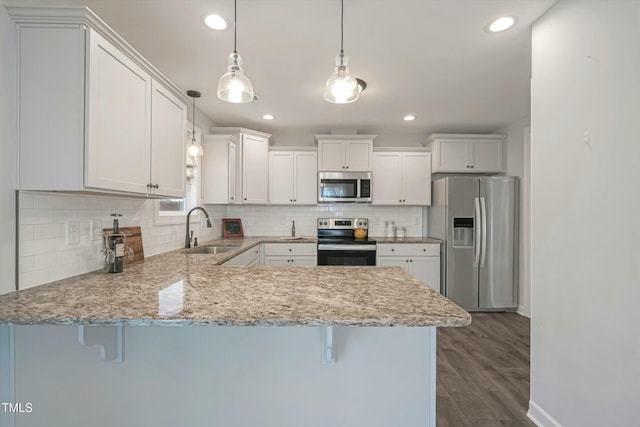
point(187, 239)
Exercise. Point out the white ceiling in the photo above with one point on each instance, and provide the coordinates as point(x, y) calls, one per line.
point(430, 58)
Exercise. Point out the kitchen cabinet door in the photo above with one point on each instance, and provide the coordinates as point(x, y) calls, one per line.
point(416, 179)
point(306, 178)
point(281, 177)
point(255, 169)
point(467, 153)
point(487, 156)
point(359, 156)
point(168, 155)
point(304, 261)
point(219, 169)
point(402, 178)
point(344, 154)
point(427, 270)
point(119, 120)
point(385, 261)
point(331, 155)
point(293, 177)
point(387, 178)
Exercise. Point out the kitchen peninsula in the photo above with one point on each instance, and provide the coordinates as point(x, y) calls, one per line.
point(229, 365)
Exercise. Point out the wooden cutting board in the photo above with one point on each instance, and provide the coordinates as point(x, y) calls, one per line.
point(134, 241)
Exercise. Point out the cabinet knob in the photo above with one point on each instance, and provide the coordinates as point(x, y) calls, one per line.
point(424, 249)
point(232, 198)
point(291, 200)
point(406, 260)
point(347, 167)
point(410, 260)
point(295, 200)
point(393, 250)
point(245, 198)
point(289, 249)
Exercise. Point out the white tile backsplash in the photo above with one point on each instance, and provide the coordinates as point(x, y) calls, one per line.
point(43, 254)
point(45, 257)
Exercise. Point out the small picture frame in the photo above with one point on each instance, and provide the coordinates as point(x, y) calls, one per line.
point(232, 227)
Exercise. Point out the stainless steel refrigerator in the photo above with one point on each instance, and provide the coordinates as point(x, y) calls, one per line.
point(476, 217)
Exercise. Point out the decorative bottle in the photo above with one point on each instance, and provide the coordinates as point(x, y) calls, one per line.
point(116, 244)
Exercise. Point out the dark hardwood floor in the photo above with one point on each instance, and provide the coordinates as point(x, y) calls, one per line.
point(483, 372)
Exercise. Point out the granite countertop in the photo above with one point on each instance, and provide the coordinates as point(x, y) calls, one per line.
point(178, 288)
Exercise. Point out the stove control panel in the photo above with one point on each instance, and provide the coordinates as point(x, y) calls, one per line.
point(342, 223)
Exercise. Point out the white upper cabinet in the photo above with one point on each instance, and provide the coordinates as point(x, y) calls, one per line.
point(235, 166)
point(168, 121)
point(94, 115)
point(401, 178)
point(255, 169)
point(467, 153)
point(353, 153)
point(293, 177)
point(219, 169)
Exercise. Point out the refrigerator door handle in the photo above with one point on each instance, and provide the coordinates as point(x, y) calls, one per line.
point(476, 233)
point(483, 250)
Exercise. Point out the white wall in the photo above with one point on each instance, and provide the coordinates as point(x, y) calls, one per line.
point(515, 158)
point(7, 152)
point(585, 328)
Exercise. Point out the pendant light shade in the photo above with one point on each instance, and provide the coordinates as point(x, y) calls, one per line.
point(195, 149)
point(234, 86)
point(341, 87)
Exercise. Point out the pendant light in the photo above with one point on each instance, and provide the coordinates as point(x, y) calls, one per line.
point(234, 86)
point(195, 149)
point(341, 88)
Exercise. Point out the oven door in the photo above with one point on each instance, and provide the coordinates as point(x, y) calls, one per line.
point(337, 254)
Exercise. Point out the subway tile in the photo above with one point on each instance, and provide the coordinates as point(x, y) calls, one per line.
point(25, 200)
point(33, 278)
point(33, 247)
point(26, 232)
point(33, 216)
point(26, 263)
point(61, 271)
point(47, 201)
point(46, 231)
point(41, 261)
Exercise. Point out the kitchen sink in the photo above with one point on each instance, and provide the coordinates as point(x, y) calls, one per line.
point(211, 249)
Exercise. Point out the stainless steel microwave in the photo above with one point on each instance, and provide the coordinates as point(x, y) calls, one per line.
point(344, 186)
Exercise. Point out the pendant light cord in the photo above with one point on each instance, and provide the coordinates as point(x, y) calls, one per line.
point(341, 26)
point(193, 120)
point(235, 25)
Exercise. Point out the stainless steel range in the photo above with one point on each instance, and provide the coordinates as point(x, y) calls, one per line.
point(337, 244)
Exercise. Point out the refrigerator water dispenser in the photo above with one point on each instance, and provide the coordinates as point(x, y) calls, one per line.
point(462, 232)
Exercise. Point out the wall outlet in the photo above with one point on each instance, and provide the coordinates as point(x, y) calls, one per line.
point(72, 233)
point(95, 229)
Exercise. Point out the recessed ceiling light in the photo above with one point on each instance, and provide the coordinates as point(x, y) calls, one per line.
point(268, 117)
point(215, 22)
point(409, 117)
point(501, 24)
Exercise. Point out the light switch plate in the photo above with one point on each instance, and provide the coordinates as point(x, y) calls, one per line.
point(95, 229)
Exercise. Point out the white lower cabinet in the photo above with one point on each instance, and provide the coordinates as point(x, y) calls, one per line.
point(290, 254)
point(248, 258)
point(420, 259)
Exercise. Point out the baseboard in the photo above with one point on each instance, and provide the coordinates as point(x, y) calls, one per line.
point(540, 417)
point(523, 311)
